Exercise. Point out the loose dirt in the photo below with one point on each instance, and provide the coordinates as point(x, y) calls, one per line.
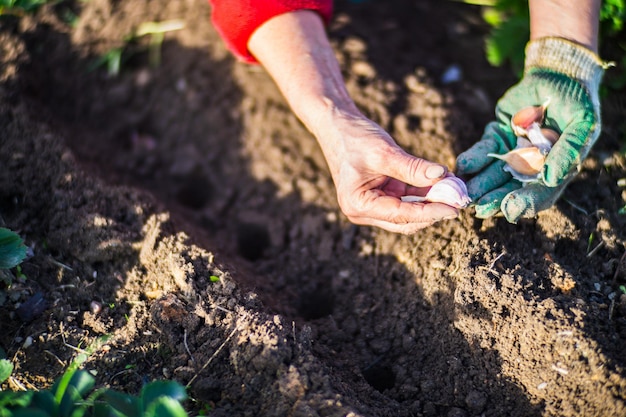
point(184, 212)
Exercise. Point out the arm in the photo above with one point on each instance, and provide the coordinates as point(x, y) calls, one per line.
point(576, 21)
point(561, 65)
point(369, 170)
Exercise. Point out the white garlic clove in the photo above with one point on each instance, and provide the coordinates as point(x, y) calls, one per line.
point(523, 143)
point(450, 190)
point(526, 161)
point(536, 136)
point(551, 135)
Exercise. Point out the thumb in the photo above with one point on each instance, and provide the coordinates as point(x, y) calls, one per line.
point(415, 171)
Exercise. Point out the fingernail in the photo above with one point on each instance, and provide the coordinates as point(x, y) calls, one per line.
point(434, 171)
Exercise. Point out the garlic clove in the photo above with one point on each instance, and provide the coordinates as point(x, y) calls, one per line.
point(450, 190)
point(526, 117)
point(526, 161)
point(522, 142)
point(536, 136)
point(551, 135)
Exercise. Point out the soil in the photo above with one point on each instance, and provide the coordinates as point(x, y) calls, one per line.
point(183, 225)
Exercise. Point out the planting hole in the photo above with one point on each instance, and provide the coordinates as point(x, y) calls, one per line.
point(316, 304)
point(195, 192)
point(252, 239)
point(380, 377)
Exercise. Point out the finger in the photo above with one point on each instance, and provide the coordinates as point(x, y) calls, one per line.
point(494, 140)
point(566, 153)
point(529, 200)
point(405, 229)
point(489, 205)
point(488, 180)
point(392, 214)
point(413, 171)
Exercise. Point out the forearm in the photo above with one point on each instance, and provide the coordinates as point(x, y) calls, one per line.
point(295, 51)
point(573, 20)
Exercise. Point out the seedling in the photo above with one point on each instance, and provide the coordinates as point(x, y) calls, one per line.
point(12, 249)
point(114, 58)
point(74, 395)
point(6, 367)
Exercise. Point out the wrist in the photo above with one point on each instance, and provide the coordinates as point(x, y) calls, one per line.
point(566, 57)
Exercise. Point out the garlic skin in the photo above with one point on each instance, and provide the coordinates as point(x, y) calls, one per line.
point(527, 161)
point(551, 135)
point(534, 142)
point(450, 190)
point(535, 134)
point(528, 117)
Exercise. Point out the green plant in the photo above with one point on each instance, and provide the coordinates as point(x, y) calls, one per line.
point(73, 395)
point(20, 7)
point(12, 253)
point(12, 249)
point(6, 367)
point(115, 57)
point(510, 29)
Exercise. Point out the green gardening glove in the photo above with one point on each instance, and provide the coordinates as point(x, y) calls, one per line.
point(568, 76)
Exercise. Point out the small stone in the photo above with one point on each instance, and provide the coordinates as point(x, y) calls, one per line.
point(27, 342)
point(95, 307)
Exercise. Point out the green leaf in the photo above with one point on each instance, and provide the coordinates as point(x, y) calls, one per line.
point(102, 409)
point(165, 407)
point(507, 43)
point(84, 382)
point(44, 400)
point(6, 369)
point(157, 389)
point(124, 403)
point(31, 412)
point(70, 401)
point(13, 399)
point(493, 17)
point(12, 249)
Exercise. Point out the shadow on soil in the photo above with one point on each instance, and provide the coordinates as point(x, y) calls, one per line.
point(110, 242)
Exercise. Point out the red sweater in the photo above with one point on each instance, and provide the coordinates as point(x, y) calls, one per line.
point(236, 20)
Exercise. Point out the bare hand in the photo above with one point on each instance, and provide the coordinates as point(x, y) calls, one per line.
point(371, 172)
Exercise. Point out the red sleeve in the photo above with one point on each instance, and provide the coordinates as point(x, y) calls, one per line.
point(236, 20)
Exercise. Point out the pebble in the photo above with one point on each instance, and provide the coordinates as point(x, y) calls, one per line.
point(95, 307)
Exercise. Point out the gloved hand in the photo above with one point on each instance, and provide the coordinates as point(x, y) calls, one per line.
point(569, 76)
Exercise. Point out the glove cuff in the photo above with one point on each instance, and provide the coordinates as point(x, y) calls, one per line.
point(568, 58)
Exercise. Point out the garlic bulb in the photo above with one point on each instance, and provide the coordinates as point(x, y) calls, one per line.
point(450, 190)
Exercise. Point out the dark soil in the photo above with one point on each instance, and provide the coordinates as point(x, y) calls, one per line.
point(182, 210)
